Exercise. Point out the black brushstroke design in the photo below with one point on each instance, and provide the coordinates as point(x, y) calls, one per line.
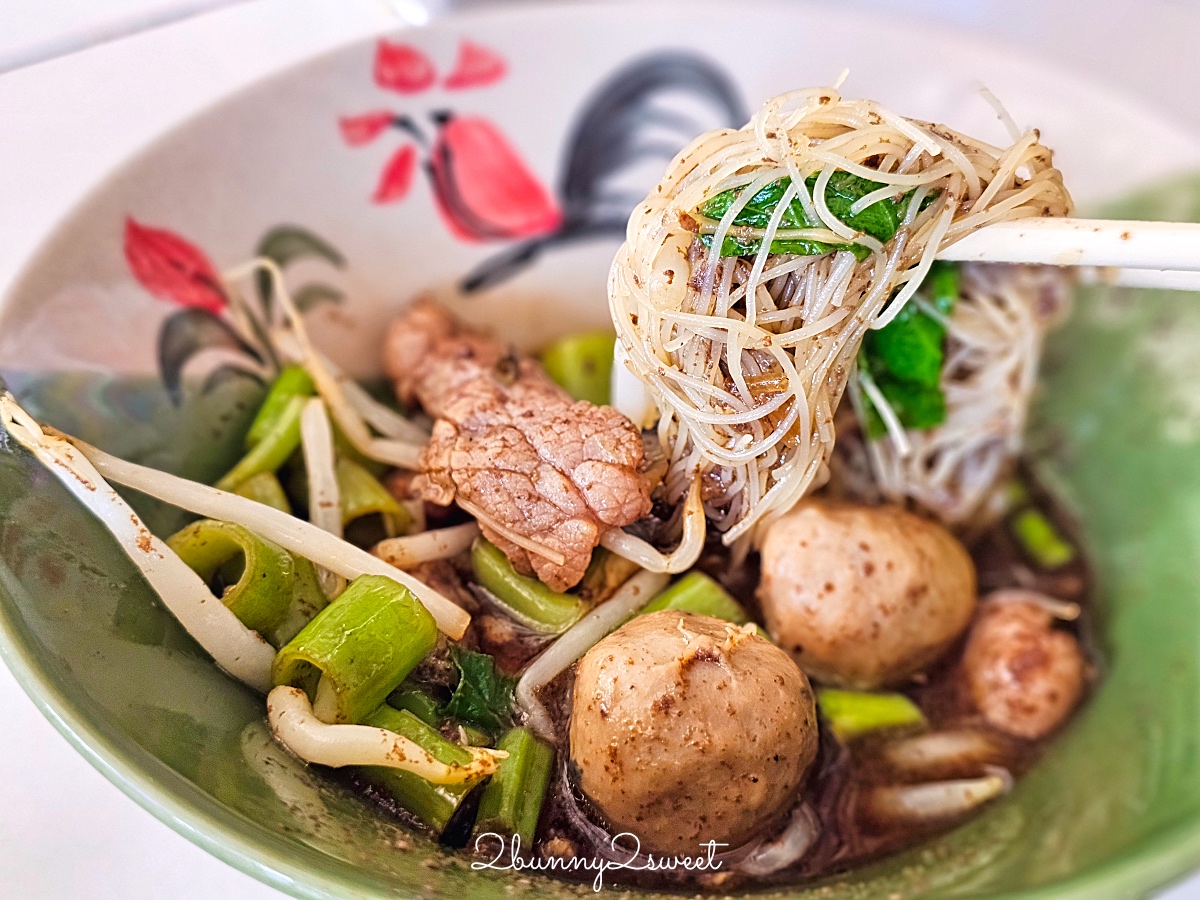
point(186, 333)
point(622, 125)
point(285, 243)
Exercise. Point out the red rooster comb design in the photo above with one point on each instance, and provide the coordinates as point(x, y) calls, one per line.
point(483, 188)
point(485, 191)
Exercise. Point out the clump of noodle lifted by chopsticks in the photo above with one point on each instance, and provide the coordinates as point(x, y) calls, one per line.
point(745, 335)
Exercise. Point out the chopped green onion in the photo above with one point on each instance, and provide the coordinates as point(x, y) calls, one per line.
point(433, 804)
point(696, 593)
point(851, 714)
point(581, 364)
point(512, 800)
point(1040, 539)
point(308, 599)
point(260, 575)
point(1016, 494)
point(272, 450)
point(292, 382)
point(526, 599)
point(358, 649)
point(475, 737)
point(345, 449)
point(265, 488)
point(605, 573)
point(413, 699)
point(362, 496)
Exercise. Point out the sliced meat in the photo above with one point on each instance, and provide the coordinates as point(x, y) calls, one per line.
point(544, 474)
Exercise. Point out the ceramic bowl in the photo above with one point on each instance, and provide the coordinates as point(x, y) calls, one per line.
point(491, 159)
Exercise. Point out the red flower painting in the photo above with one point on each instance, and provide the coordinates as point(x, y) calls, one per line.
point(476, 67)
point(482, 187)
point(360, 130)
point(403, 68)
point(172, 269)
point(397, 175)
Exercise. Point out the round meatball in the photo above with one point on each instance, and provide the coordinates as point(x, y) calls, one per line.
point(864, 596)
point(1024, 674)
point(687, 729)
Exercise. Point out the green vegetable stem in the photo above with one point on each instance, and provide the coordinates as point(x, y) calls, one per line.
point(265, 488)
point(695, 592)
point(1040, 539)
point(272, 450)
point(851, 714)
point(512, 800)
point(412, 698)
point(526, 599)
point(363, 496)
point(254, 577)
point(308, 599)
point(358, 649)
point(581, 364)
point(292, 382)
point(433, 804)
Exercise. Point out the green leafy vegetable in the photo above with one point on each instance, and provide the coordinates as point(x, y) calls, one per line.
point(881, 220)
point(484, 696)
point(905, 357)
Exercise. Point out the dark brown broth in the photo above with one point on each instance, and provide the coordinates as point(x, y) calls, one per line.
point(841, 774)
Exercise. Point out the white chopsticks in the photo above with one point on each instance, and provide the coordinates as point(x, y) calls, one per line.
point(1132, 254)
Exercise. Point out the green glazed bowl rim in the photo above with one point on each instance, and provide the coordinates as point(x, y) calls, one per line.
point(1148, 865)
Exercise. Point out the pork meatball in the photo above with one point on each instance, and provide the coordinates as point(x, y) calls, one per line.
point(864, 596)
point(687, 729)
point(1025, 675)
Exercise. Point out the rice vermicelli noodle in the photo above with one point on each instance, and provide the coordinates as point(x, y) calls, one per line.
point(746, 336)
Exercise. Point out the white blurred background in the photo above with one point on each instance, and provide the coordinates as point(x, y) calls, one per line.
point(74, 100)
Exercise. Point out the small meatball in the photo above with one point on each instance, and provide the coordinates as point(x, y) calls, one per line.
point(1024, 675)
point(687, 729)
point(864, 596)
